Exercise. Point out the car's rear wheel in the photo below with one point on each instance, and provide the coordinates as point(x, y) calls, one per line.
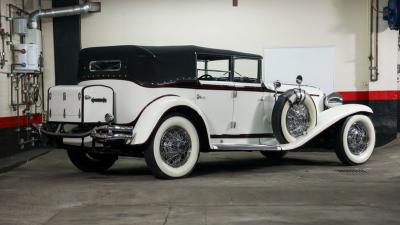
point(274, 155)
point(174, 148)
point(91, 162)
point(293, 116)
point(355, 142)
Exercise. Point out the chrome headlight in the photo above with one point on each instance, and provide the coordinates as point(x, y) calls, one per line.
point(332, 100)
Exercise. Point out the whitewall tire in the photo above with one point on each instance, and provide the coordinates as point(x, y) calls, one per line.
point(174, 149)
point(355, 142)
point(292, 118)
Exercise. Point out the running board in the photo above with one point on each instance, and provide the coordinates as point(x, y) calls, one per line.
point(245, 147)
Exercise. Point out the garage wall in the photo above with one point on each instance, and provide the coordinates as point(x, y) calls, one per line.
point(8, 117)
point(252, 26)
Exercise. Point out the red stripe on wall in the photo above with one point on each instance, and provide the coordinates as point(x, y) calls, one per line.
point(12, 121)
point(370, 95)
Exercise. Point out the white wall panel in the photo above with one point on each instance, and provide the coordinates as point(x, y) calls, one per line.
point(316, 65)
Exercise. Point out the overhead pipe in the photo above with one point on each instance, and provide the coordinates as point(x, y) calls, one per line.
point(62, 11)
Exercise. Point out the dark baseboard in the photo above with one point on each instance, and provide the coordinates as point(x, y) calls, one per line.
point(385, 119)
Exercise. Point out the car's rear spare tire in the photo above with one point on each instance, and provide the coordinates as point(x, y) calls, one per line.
point(355, 141)
point(294, 115)
point(91, 162)
point(174, 148)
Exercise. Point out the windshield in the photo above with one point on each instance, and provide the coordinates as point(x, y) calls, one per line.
point(246, 70)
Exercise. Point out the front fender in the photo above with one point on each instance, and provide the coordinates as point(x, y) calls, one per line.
point(326, 119)
point(152, 114)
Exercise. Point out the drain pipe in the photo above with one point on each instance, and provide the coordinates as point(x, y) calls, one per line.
point(62, 11)
point(374, 35)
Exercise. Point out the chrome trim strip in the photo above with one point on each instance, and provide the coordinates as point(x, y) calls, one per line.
point(245, 147)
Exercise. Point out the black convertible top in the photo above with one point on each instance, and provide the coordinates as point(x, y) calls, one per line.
point(152, 64)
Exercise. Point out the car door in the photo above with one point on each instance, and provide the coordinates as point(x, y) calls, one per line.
point(214, 96)
point(216, 102)
point(249, 115)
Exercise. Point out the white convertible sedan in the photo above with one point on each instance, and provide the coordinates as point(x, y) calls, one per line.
point(168, 104)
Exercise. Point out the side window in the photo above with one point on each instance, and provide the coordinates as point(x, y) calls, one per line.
point(246, 71)
point(216, 70)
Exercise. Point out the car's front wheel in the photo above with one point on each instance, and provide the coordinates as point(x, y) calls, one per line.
point(174, 148)
point(91, 162)
point(355, 142)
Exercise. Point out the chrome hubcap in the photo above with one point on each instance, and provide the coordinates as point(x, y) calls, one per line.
point(357, 138)
point(175, 146)
point(297, 119)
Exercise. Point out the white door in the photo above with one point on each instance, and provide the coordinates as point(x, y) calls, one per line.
point(215, 94)
point(215, 100)
point(249, 111)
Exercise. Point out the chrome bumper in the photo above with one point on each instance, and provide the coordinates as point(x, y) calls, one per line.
point(108, 133)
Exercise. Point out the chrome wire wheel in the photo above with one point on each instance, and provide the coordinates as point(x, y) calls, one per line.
point(297, 119)
point(293, 116)
point(355, 142)
point(357, 138)
point(175, 146)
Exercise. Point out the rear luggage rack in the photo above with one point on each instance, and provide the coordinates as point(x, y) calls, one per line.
point(59, 134)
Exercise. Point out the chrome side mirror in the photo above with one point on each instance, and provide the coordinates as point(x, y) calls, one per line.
point(299, 79)
point(277, 84)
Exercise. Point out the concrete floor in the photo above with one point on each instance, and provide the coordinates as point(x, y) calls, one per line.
point(225, 188)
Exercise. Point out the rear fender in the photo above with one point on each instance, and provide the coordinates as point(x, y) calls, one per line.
point(152, 114)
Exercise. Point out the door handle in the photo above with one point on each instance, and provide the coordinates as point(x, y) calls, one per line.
point(198, 96)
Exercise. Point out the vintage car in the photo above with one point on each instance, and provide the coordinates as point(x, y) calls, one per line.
point(168, 104)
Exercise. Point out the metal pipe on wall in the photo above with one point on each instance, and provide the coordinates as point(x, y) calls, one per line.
point(62, 11)
point(27, 91)
point(374, 29)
